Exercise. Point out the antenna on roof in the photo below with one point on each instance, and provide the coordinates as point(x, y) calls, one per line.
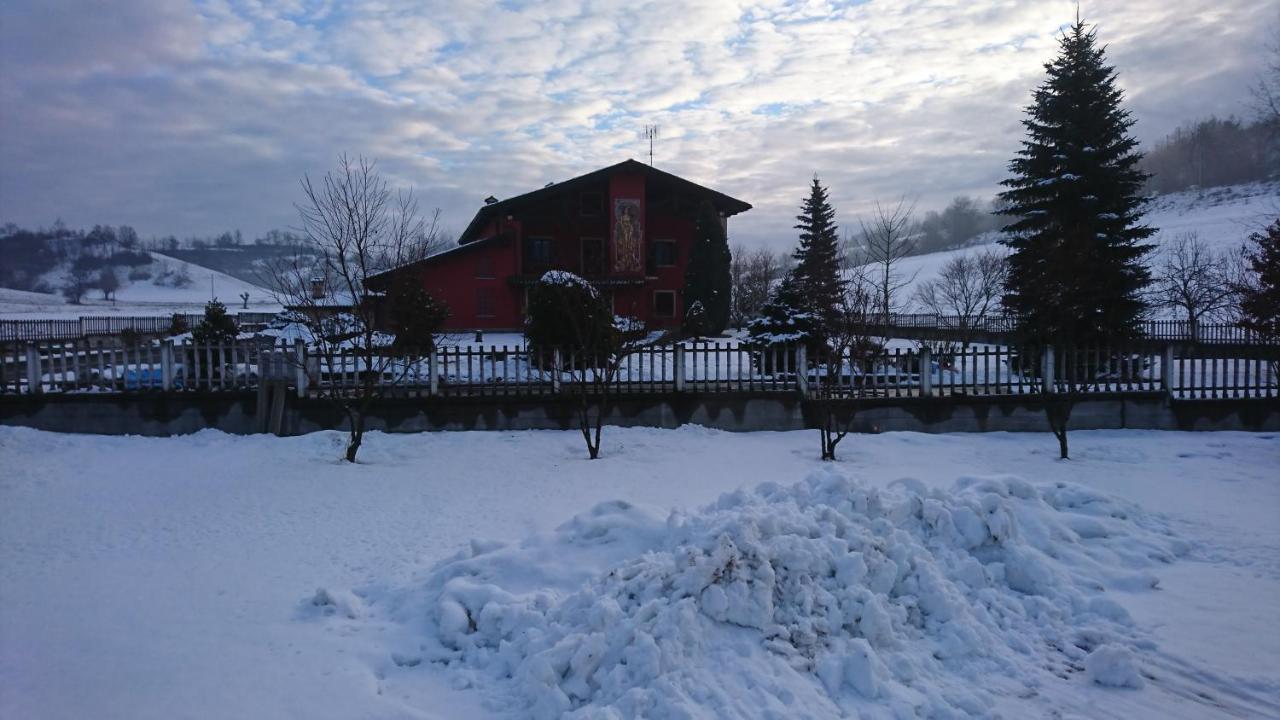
point(490, 200)
point(651, 134)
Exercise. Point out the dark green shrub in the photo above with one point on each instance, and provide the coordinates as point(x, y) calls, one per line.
point(567, 313)
point(217, 326)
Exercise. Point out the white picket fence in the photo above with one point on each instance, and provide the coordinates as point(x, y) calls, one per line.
point(695, 367)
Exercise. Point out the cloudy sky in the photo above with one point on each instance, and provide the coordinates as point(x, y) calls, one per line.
point(192, 118)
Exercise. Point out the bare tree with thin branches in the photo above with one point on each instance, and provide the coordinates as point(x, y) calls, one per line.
point(357, 228)
point(1266, 91)
point(753, 274)
point(847, 353)
point(887, 238)
point(1194, 281)
point(968, 288)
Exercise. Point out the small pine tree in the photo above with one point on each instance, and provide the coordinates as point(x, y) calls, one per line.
point(1260, 298)
point(217, 326)
point(707, 278)
point(1075, 271)
point(817, 273)
point(785, 322)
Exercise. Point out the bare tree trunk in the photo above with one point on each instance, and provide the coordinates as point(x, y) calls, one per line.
point(1058, 412)
point(828, 439)
point(590, 429)
point(356, 435)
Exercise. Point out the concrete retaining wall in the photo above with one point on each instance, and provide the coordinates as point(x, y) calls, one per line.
point(173, 414)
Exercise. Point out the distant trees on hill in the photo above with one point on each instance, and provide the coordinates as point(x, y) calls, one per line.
point(957, 225)
point(1213, 152)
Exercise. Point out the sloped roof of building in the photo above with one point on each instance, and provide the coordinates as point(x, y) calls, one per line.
point(724, 203)
point(471, 238)
point(378, 279)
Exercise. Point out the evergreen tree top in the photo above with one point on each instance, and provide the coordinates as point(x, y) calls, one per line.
point(817, 218)
point(1078, 139)
point(1075, 198)
point(817, 273)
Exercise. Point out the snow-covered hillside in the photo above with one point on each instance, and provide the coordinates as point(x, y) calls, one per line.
point(1221, 217)
point(171, 285)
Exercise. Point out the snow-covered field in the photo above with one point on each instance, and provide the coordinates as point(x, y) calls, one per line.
point(141, 297)
point(475, 575)
point(1222, 217)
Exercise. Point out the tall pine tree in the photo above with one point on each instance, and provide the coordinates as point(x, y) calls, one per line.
point(707, 279)
point(1075, 271)
point(817, 272)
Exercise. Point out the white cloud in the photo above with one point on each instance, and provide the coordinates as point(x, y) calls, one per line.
point(195, 118)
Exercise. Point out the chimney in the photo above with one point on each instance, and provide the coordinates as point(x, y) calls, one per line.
point(317, 288)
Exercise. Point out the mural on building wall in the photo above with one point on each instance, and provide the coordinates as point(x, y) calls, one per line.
point(628, 256)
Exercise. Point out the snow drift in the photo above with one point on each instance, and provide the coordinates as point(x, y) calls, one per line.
point(810, 600)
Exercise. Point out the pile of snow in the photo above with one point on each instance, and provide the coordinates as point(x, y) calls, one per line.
point(822, 598)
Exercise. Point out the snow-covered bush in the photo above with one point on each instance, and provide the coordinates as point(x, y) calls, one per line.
point(566, 312)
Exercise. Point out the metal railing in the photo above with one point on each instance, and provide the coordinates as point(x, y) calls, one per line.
point(1158, 330)
point(100, 325)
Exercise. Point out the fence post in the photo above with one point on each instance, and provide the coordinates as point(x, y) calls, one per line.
point(33, 369)
point(300, 358)
point(555, 370)
point(802, 370)
point(1166, 370)
point(433, 385)
point(926, 372)
point(166, 365)
point(1046, 370)
point(677, 370)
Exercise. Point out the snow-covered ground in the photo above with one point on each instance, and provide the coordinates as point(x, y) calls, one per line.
point(142, 297)
point(461, 575)
point(1222, 217)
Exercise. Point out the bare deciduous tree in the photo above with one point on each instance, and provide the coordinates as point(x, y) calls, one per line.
point(1193, 280)
point(847, 353)
point(108, 282)
point(753, 274)
point(968, 288)
point(77, 283)
point(887, 238)
point(357, 228)
point(1266, 92)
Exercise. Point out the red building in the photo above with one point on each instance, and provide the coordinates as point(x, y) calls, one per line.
point(627, 228)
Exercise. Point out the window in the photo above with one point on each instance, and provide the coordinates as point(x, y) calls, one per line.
point(484, 267)
point(537, 250)
point(664, 253)
point(591, 204)
point(664, 303)
point(592, 256)
point(485, 302)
